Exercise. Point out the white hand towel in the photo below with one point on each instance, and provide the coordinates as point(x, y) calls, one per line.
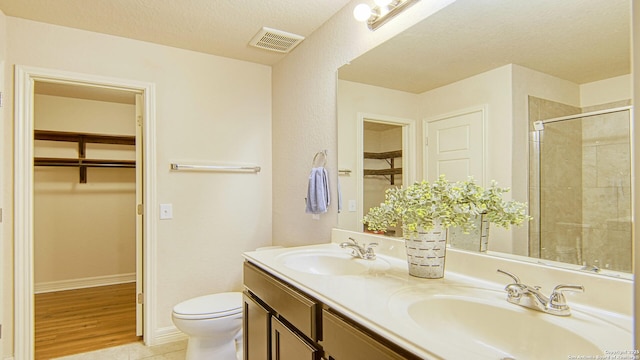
point(318, 191)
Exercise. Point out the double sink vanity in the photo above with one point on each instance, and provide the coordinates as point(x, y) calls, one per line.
point(320, 301)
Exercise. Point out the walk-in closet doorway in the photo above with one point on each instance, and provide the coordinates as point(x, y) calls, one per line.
point(111, 165)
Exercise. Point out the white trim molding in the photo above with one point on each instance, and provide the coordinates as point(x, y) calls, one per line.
point(25, 78)
point(83, 283)
point(408, 147)
point(168, 335)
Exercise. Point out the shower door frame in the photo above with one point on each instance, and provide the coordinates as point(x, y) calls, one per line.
point(536, 136)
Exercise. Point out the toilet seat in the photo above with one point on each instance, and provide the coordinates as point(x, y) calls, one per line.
point(209, 306)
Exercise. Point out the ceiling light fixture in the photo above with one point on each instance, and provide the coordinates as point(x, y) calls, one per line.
point(383, 12)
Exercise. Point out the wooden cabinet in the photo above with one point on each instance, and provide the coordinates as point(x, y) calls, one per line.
point(292, 329)
point(283, 323)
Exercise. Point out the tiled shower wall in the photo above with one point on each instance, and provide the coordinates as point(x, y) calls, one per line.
point(606, 189)
point(585, 187)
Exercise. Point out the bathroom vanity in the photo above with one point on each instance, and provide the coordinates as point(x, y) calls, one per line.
point(318, 302)
point(282, 322)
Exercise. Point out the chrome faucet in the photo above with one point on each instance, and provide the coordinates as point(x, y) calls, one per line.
point(357, 250)
point(531, 297)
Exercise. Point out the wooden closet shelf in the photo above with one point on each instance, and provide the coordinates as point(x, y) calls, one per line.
point(394, 171)
point(83, 137)
point(389, 157)
point(383, 155)
point(39, 161)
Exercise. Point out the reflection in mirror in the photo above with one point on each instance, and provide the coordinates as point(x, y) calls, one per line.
point(382, 162)
point(511, 63)
point(581, 187)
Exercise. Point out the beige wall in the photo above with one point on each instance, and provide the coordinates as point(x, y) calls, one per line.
point(606, 91)
point(208, 109)
point(83, 233)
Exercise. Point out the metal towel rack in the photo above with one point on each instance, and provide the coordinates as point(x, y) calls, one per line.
point(175, 166)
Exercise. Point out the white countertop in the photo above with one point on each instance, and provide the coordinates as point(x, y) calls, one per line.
point(365, 298)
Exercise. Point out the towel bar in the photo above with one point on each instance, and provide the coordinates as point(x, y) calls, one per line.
point(215, 167)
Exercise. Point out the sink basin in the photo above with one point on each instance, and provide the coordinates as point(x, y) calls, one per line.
point(330, 263)
point(477, 323)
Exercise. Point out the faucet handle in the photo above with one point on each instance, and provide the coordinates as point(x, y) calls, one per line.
point(353, 241)
point(513, 276)
point(557, 299)
point(369, 253)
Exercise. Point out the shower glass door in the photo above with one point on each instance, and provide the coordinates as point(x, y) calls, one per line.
point(583, 210)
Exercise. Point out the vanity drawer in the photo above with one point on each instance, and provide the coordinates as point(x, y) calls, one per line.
point(343, 340)
point(298, 309)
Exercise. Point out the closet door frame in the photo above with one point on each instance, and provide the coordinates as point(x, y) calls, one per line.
point(25, 78)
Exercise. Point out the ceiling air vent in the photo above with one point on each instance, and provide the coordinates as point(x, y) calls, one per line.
point(276, 40)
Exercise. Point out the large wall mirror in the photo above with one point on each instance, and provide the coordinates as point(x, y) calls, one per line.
point(542, 91)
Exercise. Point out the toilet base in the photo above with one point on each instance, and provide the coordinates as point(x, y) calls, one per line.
point(205, 349)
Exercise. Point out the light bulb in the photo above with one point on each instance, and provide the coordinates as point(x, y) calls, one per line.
point(362, 12)
point(382, 3)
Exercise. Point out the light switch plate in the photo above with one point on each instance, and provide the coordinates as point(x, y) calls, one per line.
point(166, 211)
point(352, 205)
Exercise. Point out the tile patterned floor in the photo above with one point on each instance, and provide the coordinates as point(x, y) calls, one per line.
point(135, 351)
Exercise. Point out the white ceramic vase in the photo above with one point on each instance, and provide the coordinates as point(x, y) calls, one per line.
point(426, 252)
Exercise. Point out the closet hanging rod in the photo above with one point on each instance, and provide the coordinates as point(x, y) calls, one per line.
point(84, 163)
point(175, 166)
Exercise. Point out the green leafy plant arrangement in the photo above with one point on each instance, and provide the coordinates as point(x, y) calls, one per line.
point(420, 205)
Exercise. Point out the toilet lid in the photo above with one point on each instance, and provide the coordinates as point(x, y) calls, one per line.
point(210, 306)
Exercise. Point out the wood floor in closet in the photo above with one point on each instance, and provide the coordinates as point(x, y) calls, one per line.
point(76, 321)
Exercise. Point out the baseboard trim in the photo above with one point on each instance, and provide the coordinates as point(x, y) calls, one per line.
point(167, 335)
point(83, 283)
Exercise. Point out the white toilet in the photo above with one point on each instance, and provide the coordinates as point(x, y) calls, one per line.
point(213, 324)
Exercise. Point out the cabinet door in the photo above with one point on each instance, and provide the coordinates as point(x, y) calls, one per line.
point(286, 345)
point(255, 330)
point(343, 341)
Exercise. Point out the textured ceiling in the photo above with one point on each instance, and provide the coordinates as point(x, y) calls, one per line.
point(576, 40)
point(218, 27)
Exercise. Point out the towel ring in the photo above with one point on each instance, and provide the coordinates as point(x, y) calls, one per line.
point(323, 159)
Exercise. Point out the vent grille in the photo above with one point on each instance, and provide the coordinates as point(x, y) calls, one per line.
point(275, 40)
